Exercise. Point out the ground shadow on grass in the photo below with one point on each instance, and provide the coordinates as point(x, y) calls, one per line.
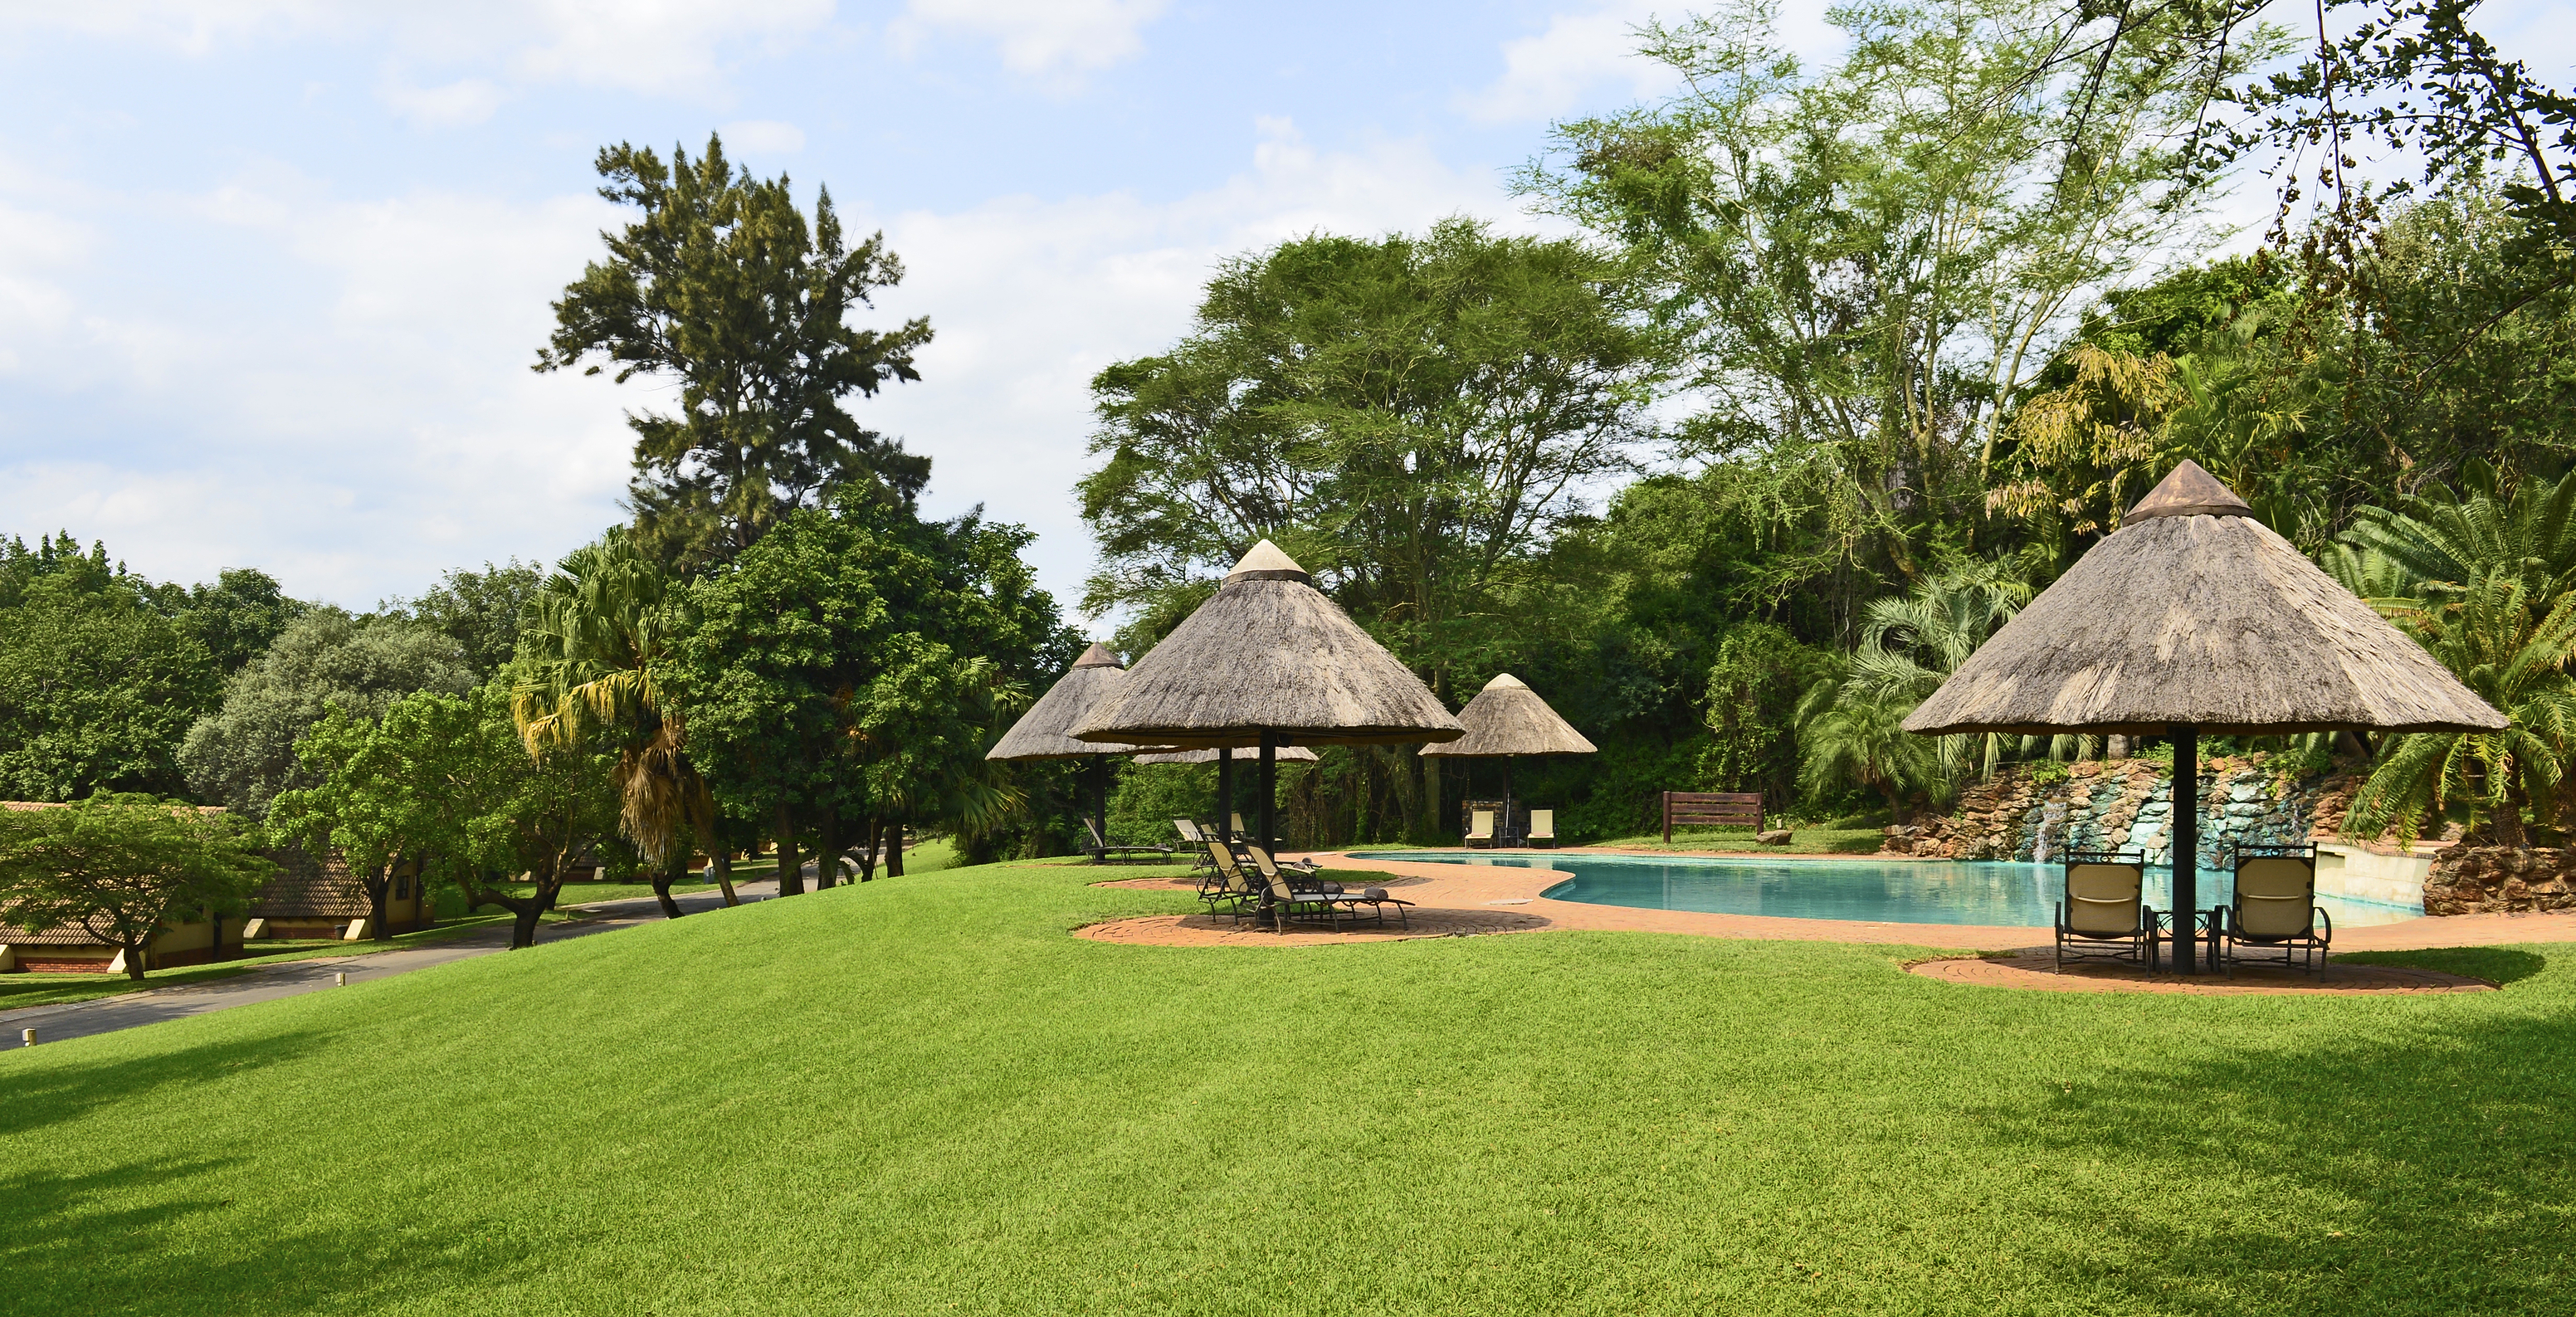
point(2421, 1170)
point(2494, 964)
point(37, 1090)
point(145, 1238)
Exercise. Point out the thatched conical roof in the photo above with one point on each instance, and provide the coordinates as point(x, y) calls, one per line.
point(2194, 612)
point(1040, 733)
point(1508, 718)
point(1268, 652)
point(1286, 754)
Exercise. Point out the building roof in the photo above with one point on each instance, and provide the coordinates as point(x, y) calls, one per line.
point(305, 889)
point(1508, 718)
point(1269, 653)
point(2196, 613)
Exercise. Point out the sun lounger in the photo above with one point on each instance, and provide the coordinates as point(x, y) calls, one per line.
point(2276, 910)
point(1196, 840)
point(1228, 890)
point(2104, 915)
point(1101, 850)
point(1480, 829)
point(1542, 830)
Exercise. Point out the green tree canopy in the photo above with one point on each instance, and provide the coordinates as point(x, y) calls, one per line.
point(122, 868)
point(96, 688)
point(724, 289)
point(242, 754)
point(478, 610)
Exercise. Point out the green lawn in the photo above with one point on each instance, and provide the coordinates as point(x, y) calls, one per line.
point(17, 990)
point(588, 893)
point(923, 1097)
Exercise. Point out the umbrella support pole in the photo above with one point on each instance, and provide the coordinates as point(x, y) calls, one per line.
point(1100, 804)
point(1224, 793)
point(2186, 847)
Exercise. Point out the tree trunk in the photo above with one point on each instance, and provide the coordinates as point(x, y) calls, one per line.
point(134, 952)
point(673, 868)
point(868, 850)
point(791, 871)
point(720, 867)
point(827, 850)
point(378, 892)
point(894, 850)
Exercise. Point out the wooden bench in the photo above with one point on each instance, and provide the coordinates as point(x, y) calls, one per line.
point(1711, 808)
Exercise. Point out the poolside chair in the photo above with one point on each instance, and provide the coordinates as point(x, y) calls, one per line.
point(1480, 830)
point(2104, 915)
point(1228, 891)
point(1101, 850)
point(2276, 910)
point(1196, 841)
point(1288, 901)
point(1542, 830)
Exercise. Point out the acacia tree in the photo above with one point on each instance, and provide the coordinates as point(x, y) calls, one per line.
point(124, 867)
point(724, 289)
point(1411, 418)
point(1870, 259)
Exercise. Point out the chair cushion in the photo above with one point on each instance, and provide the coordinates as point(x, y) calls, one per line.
point(1374, 894)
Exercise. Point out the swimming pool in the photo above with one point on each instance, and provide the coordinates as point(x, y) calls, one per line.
point(1871, 890)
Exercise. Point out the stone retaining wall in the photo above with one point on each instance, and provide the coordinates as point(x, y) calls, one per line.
point(2488, 879)
point(2127, 805)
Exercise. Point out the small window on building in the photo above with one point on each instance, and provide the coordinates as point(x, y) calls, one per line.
point(402, 887)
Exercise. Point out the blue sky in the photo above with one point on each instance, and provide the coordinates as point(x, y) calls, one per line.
point(272, 271)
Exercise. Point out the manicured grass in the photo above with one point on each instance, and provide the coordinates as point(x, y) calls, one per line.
point(1808, 841)
point(17, 990)
point(923, 1097)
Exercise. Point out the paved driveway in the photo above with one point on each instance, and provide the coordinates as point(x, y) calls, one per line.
point(296, 977)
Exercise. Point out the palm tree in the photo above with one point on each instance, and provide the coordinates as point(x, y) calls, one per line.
point(584, 676)
point(2485, 631)
point(1910, 644)
point(1859, 738)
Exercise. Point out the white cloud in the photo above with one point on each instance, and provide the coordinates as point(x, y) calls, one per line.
point(464, 101)
point(762, 137)
point(358, 414)
point(662, 47)
point(1039, 36)
point(1565, 68)
point(1031, 298)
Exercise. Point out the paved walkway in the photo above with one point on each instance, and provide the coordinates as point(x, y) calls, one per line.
point(294, 978)
point(1463, 886)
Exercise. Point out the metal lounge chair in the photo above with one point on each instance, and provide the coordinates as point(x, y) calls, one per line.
point(1311, 888)
point(1196, 840)
point(2104, 915)
point(1288, 901)
point(1480, 830)
point(2276, 910)
point(1101, 850)
point(1542, 830)
point(1229, 891)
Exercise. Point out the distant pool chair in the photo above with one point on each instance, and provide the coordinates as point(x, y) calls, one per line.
point(2104, 915)
point(1480, 829)
point(2276, 910)
point(1542, 830)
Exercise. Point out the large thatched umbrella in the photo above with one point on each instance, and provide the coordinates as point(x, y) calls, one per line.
point(1268, 658)
point(1040, 733)
point(2195, 617)
point(1506, 719)
point(1223, 758)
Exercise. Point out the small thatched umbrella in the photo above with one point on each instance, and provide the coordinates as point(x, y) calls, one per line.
point(1505, 719)
point(1269, 659)
point(1223, 758)
point(2195, 617)
point(1040, 733)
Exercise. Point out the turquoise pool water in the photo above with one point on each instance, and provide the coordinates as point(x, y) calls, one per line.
point(1884, 891)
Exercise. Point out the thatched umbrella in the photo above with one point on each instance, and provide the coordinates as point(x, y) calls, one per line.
point(1223, 758)
point(1268, 658)
point(1506, 719)
point(2195, 617)
point(1040, 733)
